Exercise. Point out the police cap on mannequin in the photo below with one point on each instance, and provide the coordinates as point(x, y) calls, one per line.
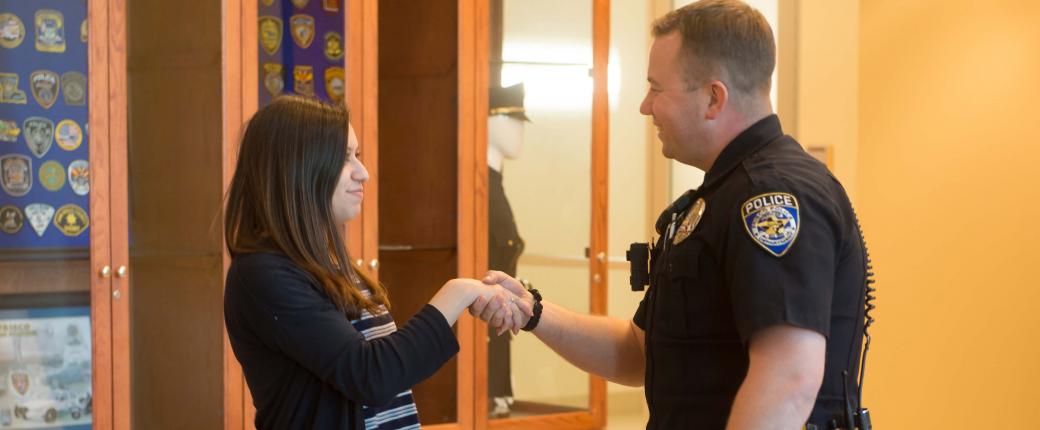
point(506, 117)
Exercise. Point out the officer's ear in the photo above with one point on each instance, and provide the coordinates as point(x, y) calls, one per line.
point(719, 99)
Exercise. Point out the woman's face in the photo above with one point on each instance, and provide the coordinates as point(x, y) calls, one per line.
point(346, 201)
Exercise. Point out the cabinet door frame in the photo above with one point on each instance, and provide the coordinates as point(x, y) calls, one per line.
point(109, 227)
point(477, 58)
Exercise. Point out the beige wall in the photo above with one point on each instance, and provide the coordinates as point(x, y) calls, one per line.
point(826, 88)
point(948, 196)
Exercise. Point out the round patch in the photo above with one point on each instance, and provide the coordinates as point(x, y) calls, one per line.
point(11, 219)
point(12, 30)
point(71, 220)
point(52, 175)
point(68, 134)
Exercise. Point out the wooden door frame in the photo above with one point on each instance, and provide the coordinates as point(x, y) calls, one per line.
point(477, 52)
point(106, 69)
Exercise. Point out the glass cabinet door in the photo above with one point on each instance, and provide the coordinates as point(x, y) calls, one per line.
point(542, 203)
point(55, 333)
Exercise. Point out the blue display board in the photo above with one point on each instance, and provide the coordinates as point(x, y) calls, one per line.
point(301, 49)
point(44, 151)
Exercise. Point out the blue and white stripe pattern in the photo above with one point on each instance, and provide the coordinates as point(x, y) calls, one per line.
point(400, 414)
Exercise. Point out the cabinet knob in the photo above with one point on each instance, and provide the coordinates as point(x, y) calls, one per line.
point(105, 272)
point(374, 264)
point(596, 278)
point(359, 262)
point(121, 272)
point(602, 257)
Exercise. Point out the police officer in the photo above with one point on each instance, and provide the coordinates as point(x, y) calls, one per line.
point(754, 314)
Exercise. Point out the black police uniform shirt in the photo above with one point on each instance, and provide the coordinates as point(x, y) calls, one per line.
point(778, 243)
point(504, 249)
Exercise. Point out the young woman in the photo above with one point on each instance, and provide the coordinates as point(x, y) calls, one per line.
point(317, 346)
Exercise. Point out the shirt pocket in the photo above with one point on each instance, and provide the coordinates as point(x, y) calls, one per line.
point(699, 296)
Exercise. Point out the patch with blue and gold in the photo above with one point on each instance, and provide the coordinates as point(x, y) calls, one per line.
point(772, 221)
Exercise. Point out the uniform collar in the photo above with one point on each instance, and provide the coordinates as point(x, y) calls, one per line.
point(747, 142)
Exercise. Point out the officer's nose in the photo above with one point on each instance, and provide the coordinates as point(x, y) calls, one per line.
point(646, 107)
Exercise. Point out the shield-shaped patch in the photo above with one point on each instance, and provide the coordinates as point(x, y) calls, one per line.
point(71, 220)
point(39, 134)
point(50, 31)
point(772, 220)
point(11, 219)
point(39, 215)
point(270, 34)
point(333, 46)
point(20, 382)
point(16, 175)
point(303, 80)
point(44, 85)
point(335, 86)
point(9, 92)
point(79, 177)
point(74, 88)
point(302, 27)
point(274, 79)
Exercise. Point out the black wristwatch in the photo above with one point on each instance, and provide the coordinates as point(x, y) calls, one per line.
point(537, 308)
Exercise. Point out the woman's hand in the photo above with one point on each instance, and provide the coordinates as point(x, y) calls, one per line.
point(496, 303)
point(519, 296)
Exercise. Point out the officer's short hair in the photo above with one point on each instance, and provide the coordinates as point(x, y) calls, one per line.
point(725, 40)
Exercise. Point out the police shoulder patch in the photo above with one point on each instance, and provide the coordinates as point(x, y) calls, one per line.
point(772, 220)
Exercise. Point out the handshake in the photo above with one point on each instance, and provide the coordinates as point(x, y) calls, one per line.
point(498, 299)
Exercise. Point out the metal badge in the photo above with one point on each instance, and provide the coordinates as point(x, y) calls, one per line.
point(74, 88)
point(689, 223)
point(68, 134)
point(44, 85)
point(772, 220)
point(39, 134)
point(39, 215)
point(270, 34)
point(9, 131)
point(300, 4)
point(303, 80)
point(17, 173)
point(274, 79)
point(71, 220)
point(335, 84)
point(12, 30)
point(11, 219)
point(79, 177)
point(333, 46)
point(50, 31)
point(9, 92)
point(330, 5)
point(302, 27)
point(52, 175)
point(83, 29)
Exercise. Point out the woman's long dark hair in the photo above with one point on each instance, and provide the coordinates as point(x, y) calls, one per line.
point(280, 199)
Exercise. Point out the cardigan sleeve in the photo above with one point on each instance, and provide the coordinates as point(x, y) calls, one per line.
point(307, 327)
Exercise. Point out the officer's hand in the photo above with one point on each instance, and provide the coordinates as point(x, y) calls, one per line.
point(526, 300)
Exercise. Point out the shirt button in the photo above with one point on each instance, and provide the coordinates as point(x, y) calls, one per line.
point(509, 242)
